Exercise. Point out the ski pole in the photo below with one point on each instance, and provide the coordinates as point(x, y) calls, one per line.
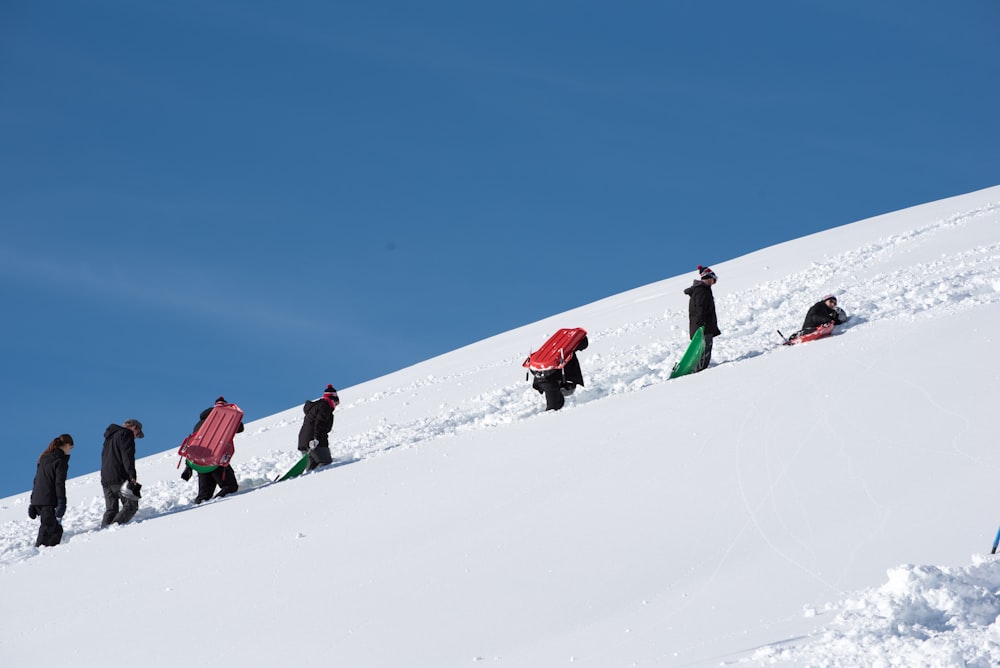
point(782, 335)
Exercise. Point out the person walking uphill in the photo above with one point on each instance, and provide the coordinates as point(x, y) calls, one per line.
point(701, 311)
point(314, 436)
point(557, 384)
point(118, 477)
point(223, 477)
point(48, 493)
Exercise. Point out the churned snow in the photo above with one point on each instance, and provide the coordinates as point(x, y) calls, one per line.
point(830, 504)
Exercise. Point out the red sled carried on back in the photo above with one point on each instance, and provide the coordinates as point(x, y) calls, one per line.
point(555, 352)
point(212, 444)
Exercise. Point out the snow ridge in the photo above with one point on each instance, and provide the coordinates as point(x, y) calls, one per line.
point(922, 616)
point(953, 280)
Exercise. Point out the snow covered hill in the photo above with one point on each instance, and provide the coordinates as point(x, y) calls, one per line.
point(830, 504)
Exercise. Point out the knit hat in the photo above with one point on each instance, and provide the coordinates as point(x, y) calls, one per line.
point(220, 400)
point(826, 297)
point(331, 393)
point(706, 273)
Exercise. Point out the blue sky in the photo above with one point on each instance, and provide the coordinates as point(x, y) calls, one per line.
point(256, 199)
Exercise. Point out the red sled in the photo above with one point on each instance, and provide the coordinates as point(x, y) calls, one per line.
point(555, 352)
point(818, 333)
point(212, 444)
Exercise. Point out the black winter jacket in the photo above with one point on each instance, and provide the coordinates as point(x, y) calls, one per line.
point(701, 309)
point(118, 455)
point(820, 314)
point(50, 479)
point(317, 423)
point(570, 373)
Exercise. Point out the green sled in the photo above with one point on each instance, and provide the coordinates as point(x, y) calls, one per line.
point(199, 468)
point(297, 470)
point(689, 360)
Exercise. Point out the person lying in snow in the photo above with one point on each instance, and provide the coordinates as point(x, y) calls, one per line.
point(822, 312)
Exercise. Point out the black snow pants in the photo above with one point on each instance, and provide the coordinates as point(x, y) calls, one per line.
point(112, 498)
point(50, 532)
point(223, 477)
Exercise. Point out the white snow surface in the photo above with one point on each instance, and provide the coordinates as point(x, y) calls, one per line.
point(830, 504)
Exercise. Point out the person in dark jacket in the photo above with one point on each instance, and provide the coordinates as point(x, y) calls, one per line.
point(48, 493)
point(557, 384)
point(118, 477)
point(314, 436)
point(221, 477)
point(822, 312)
point(701, 311)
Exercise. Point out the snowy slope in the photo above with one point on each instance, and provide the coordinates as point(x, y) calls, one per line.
point(830, 504)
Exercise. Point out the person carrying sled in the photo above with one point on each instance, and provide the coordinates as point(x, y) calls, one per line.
point(314, 436)
point(221, 477)
point(822, 312)
point(557, 384)
point(701, 312)
point(48, 493)
point(118, 477)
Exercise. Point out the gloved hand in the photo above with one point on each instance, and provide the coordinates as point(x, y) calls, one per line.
point(186, 475)
point(32, 512)
point(134, 487)
point(61, 509)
